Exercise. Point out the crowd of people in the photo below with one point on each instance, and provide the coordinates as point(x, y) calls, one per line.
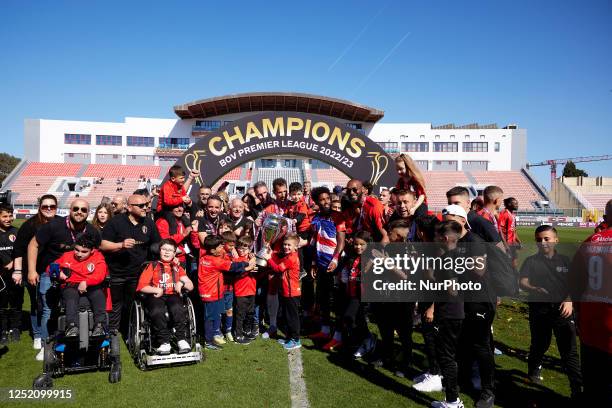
point(311, 275)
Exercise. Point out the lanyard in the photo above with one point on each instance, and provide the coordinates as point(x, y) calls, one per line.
point(71, 230)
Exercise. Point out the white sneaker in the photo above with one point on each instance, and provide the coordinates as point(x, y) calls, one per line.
point(183, 346)
point(431, 383)
point(229, 337)
point(37, 344)
point(41, 355)
point(360, 352)
point(446, 404)
point(219, 340)
point(164, 348)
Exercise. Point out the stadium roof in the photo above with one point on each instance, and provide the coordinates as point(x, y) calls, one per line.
point(278, 101)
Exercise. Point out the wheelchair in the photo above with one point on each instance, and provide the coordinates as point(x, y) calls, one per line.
point(63, 355)
point(140, 338)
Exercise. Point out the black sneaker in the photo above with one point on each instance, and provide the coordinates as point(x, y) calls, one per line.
point(15, 335)
point(485, 401)
point(72, 331)
point(242, 340)
point(536, 376)
point(4, 340)
point(212, 346)
point(98, 330)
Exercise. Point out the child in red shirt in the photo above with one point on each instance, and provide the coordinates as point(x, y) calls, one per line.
point(174, 191)
point(287, 264)
point(162, 282)
point(245, 287)
point(411, 179)
point(229, 246)
point(82, 272)
point(213, 264)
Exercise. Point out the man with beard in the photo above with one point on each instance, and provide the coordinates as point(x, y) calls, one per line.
point(199, 209)
point(392, 316)
point(278, 206)
point(50, 242)
point(365, 213)
point(119, 204)
point(126, 241)
point(261, 193)
point(208, 224)
point(327, 240)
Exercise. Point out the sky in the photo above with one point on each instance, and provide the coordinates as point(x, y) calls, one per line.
point(544, 65)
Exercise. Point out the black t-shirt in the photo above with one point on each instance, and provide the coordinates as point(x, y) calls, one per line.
point(474, 246)
point(210, 226)
point(56, 237)
point(448, 305)
point(128, 262)
point(245, 223)
point(483, 227)
point(7, 242)
point(548, 273)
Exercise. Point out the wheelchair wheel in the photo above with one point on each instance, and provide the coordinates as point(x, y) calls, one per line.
point(192, 323)
point(136, 335)
point(141, 360)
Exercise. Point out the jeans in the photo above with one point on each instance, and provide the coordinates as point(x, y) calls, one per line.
point(43, 287)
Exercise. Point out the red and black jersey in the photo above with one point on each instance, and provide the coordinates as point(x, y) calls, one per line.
point(170, 195)
point(352, 275)
point(163, 275)
point(210, 277)
point(246, 283)
point(591, 283)
point(301, 213)
point(289, 267)
point(92, 270)
point(178, 237)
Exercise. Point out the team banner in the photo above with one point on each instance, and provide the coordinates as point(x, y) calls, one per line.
point(270, 134)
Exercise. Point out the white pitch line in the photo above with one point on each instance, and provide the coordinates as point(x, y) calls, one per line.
point(299, 396)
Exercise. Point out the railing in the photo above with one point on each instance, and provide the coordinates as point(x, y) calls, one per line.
point(173, 146)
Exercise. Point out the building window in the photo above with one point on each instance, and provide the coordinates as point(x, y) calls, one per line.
point(141, 141)
point(445, 147)
point(174, 142)
point(497, 146)
point(422, 137)
point(452, 136)
point(475, 165)
point(415, 146)
point(467, 136)
point(71, 138)
point(482, 136)
point(354, 125)
point(475, 146)
point(389, 147)
point(108, 140)
point(209, 124)
point(437, 137)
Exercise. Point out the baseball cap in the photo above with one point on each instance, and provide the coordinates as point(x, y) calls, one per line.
point(457, 210)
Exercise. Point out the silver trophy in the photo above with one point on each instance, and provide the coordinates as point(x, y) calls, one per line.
point(273, 228)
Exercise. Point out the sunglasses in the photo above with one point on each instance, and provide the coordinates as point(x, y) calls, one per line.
point(84, 210)
point(354, 189)
point(48, 207)
point(141, 206)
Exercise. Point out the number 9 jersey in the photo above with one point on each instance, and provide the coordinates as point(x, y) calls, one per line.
point(591, 285)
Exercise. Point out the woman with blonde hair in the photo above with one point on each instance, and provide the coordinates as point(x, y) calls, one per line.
point(411, 179)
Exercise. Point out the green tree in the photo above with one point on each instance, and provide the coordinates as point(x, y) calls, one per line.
point(7, 164)
point(570, 170)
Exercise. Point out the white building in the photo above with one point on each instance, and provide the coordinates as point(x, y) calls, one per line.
point(148, 141)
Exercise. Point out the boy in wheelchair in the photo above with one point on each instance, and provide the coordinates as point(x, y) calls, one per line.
point(81, 274)
point(162, 283)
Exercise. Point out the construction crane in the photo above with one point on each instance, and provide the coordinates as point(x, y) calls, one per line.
point(553, 163)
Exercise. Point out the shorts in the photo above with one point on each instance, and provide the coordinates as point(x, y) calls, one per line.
point(228, 300)
point(213, 310)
